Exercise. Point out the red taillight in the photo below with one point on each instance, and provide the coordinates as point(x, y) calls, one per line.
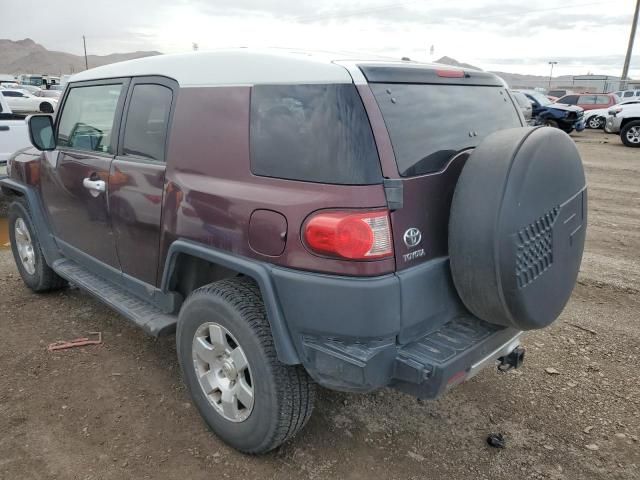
point(352, 235)
point(450, 73)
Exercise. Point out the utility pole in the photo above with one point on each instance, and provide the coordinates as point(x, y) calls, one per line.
point(86, 63)
point(551, 73)
point(627, 59)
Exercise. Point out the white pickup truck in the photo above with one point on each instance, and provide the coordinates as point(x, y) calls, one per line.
point(13, 134)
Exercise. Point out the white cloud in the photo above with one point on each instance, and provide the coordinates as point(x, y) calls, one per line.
point(489, 33)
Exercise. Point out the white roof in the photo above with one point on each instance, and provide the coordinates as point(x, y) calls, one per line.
point(239, 66)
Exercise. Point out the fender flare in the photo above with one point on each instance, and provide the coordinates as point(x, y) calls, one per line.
point(258, 271)
point(40, 222)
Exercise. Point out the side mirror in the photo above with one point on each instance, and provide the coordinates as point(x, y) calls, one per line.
point(41, 132)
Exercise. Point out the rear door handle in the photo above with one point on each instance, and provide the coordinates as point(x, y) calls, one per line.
point(95, 187)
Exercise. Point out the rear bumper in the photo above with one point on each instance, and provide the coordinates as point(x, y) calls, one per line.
point(408, 330)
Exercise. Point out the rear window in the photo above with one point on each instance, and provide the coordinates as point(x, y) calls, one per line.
point(429, 124)
point(314, 133)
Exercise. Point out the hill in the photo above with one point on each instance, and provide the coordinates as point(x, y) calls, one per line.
point(27, 56)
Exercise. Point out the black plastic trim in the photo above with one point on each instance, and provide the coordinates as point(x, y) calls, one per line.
point(260, 272)
point(427, 74)
point(47, 241)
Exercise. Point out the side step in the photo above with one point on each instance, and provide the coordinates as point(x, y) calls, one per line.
point(151, 319)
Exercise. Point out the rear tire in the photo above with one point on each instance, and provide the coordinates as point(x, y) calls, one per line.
point(630, 134)
point(27, 253)
point(550, 123)
point(219, 324)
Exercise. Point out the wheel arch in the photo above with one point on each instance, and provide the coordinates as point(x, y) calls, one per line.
point(181, 250)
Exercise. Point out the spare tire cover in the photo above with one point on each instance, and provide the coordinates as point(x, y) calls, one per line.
point(517, 227)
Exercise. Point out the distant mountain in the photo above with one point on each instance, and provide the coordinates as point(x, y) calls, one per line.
point(27, 56)
point(455, 63)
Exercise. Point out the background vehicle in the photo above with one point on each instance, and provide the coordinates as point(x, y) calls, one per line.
point(622, 94)
point(22, 101)
point(590, 101)
point(51, 93)
point(525, 105)
point(598, 117)
point(334, 230)
point(565, 117)
point(13, 134)
point(29, 88)
point(560, 92)
point(625, 119)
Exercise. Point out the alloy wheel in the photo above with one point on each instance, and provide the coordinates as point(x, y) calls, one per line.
point(223, 371)
point(25, 246)
point(633, 135)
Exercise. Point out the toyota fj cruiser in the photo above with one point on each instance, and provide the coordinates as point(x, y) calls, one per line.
point(302, 220)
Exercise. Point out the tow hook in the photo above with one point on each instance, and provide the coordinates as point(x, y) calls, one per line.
point(512, 360)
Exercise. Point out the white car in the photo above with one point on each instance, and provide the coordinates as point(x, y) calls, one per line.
point(597, 118)
point(23, 102)
point(625, 119)
point(13, 134)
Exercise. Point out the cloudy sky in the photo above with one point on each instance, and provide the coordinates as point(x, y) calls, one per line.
point(507, 35)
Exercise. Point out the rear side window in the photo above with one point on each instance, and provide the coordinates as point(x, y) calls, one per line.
point(86, 122)
point(587, 100)
point(314, 133)
point(602, 100)
point(145, 130)
point(429, 124)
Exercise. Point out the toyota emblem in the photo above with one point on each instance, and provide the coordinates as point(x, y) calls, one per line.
point(412, 237)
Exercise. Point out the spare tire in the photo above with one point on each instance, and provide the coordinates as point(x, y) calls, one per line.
point(517, 227)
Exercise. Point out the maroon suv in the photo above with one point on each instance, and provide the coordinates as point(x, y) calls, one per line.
point(302, 219)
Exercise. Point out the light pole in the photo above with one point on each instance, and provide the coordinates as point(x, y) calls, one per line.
point(551, 73)
point(627, 58)
point(86, 63)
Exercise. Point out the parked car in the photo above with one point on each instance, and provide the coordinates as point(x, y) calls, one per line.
point(51, 93)
point(622, 94)
point(597, 118)
point(13, 134)
point(524, 104)
point(32, 89)
point(625, 120)
point(22, 101)
point(565, 117)
point(560, 92)
point(590, 101)
point(308, 255)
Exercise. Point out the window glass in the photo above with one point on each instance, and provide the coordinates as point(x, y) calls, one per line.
point(602, 100)
point(628, 94)
point(587, 100)
point(147, 119)
point(569, 99)
point(86, 122)
point(315, 133)
point(429, 124)
point(8, 93)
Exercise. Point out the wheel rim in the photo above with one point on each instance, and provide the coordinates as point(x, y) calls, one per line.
point(594, 122)
point(25, 246)
point(633, 135)
point(223, 372)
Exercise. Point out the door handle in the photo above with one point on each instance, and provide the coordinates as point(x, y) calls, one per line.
point(95, 187)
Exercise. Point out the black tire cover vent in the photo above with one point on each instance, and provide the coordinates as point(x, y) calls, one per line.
point(517, 227)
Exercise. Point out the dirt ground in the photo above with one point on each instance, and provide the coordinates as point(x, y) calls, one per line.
point(120, 411)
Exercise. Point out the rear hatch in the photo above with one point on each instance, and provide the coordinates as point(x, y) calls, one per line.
point(435, 116)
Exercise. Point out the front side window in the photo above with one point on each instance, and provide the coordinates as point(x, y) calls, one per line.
point(147, 120)
point(87, 118)
point(314, 133)
point(569, 99)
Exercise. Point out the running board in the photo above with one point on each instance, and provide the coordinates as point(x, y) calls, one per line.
point(143, 314)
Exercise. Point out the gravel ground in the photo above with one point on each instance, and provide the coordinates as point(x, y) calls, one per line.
point(119, 410)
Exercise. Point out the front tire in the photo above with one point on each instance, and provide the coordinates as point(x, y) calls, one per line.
point(46, 107)
point(27, 253)
point(595, 122)
point(247, 397)
point(630, 134)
